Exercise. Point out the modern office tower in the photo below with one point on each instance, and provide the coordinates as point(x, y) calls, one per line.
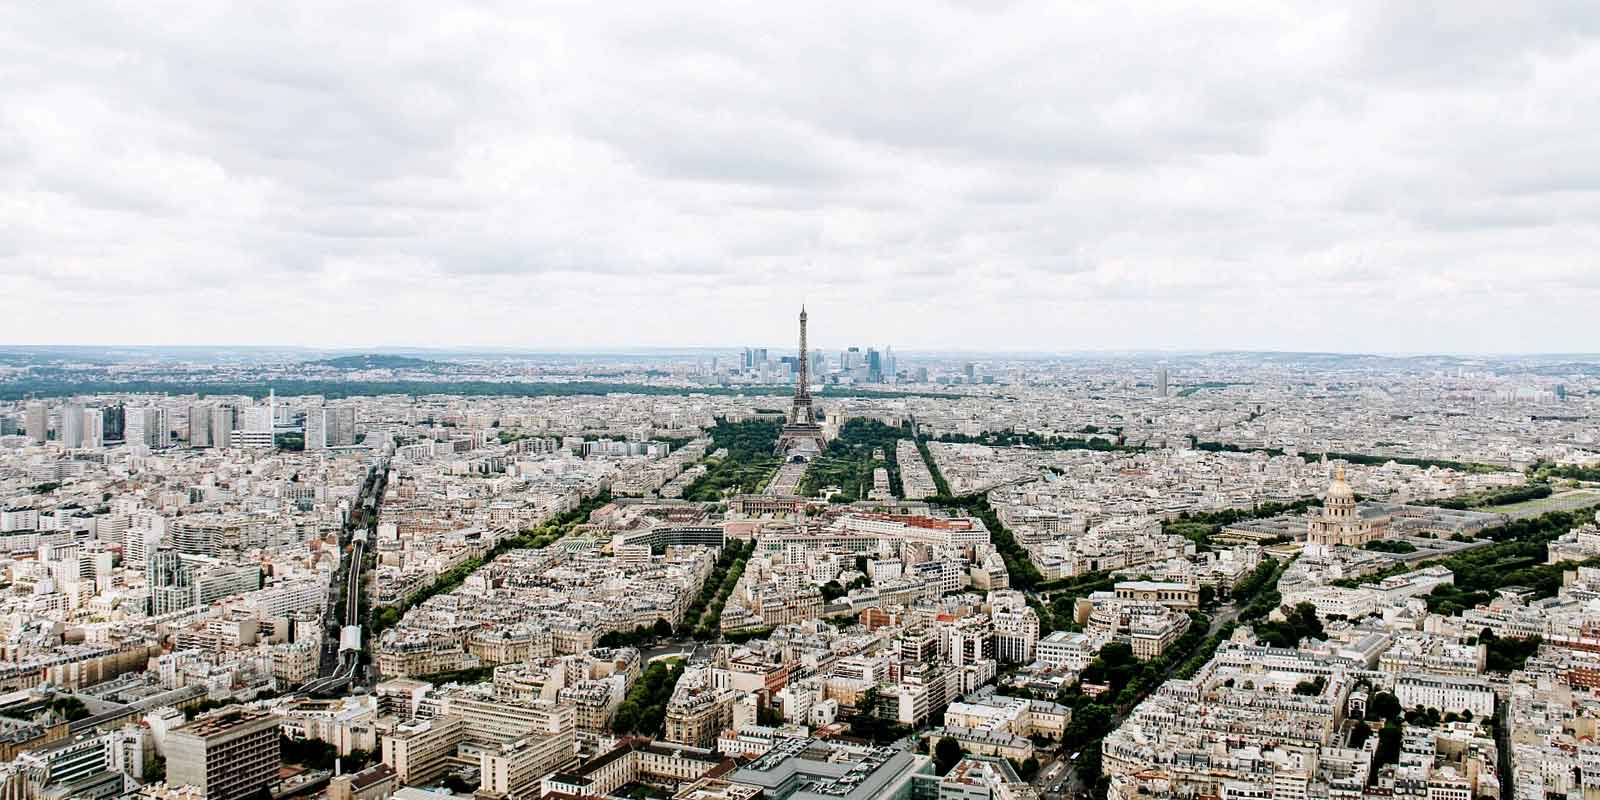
point(971, 371)
point(116, 429)
point(891, 365)
point(8, 425)
point(420, 750)
point(346, 428)
point(257, 419)
point(922, 374)
point(874, 366)
point(316, 433)
point(36, 422)
point(179, 581)
point(138, 543)
point(256, 426)
point(515, 768)
point(231, 754)
point(71, 425)
point(170, 583)
point(147, 426)
point(200, 425)
point(94, 427)
point(1161, 382)
point(330, 426)
point(850, 359)
point(223, 421)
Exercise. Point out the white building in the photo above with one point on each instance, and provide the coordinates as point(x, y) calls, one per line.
point(1447, 693)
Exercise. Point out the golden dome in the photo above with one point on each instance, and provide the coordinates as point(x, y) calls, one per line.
point(1339, 489)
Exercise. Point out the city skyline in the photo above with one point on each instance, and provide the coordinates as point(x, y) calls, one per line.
point(1366, 179)
point(1013, 400)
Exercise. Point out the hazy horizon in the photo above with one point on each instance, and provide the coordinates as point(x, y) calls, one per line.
point(830, 351)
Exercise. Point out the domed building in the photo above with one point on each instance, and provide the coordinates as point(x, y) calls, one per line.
point(1342, 522)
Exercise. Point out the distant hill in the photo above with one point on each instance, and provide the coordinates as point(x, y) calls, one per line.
point(377, 361)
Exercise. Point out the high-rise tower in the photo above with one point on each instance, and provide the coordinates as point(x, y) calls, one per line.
point(801, 410)
point(801, 437)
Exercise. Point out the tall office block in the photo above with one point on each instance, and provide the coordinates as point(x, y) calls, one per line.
point(420, 750)
point(170, 579)
point(256, 426)
point(330, 426)
point(223, 421)
point(229, 755)
point(116, 428)
point(94, 427)
point(317, 428)
point(147, 426)
point(200, 416)
point(71, 434)
point(36, 422)
point(1161, 382)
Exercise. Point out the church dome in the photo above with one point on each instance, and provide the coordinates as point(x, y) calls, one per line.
point(1339, 489)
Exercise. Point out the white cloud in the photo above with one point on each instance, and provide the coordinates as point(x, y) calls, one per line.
point(1030, 175)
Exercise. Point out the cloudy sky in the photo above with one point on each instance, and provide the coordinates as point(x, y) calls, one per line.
point(1393, 177)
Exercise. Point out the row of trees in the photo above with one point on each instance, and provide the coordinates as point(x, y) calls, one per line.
point(542, 536)
point(317, 754)
point(645, 708)
point(638, 637)
point(1225, 447)
point(1024, 575)
point(1128, 679)
point(1355, 458)
point(1040, 442)
point(1517, 558)
point(1060, 597)
point(1390, 546)
point(1497, 497)
point(704, 617)
point(1378, 461)
point(1570, 472)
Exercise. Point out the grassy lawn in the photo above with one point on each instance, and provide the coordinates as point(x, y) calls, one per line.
point(1556, 502)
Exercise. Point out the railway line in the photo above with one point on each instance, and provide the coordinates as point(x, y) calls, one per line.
point(348, 639)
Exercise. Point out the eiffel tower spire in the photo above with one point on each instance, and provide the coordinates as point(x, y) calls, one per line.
point(802, 437)
point(802, 387)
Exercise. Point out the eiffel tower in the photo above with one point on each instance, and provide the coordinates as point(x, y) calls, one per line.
point(801, 439)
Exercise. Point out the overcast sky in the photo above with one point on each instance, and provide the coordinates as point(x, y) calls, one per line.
point(1392, 176)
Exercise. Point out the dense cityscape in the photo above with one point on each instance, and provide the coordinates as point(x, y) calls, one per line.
point(699, 400)
point(798, 573)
